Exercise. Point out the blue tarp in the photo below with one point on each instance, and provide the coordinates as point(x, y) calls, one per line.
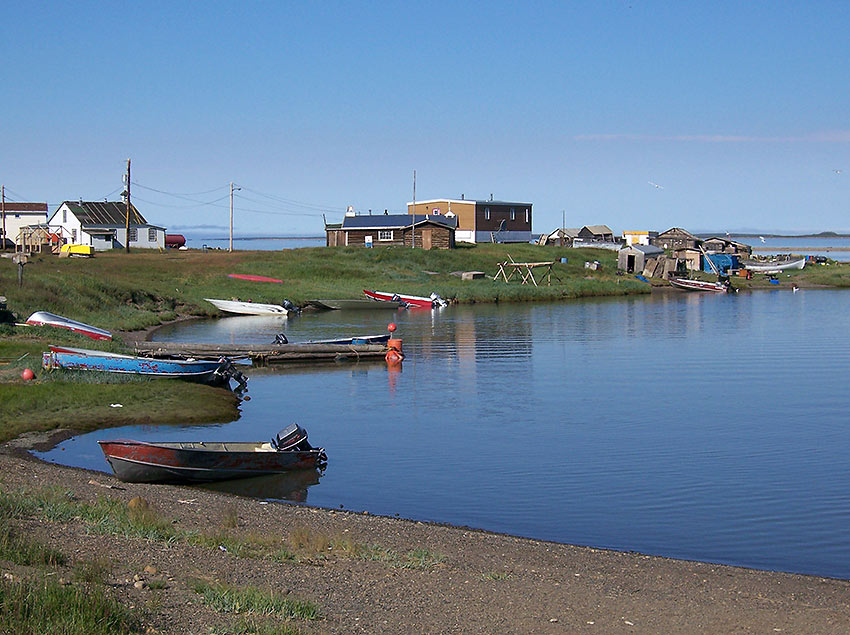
point(723, 262)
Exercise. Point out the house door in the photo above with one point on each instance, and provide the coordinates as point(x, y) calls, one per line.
point(426, 239)
point(630, 264)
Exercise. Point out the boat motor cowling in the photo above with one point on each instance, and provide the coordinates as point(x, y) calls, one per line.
point(293, 437)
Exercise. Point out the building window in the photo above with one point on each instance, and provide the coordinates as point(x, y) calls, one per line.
point(385, 234)
point(133, 236)
point(74, 235)
point(151, 235)
point(526, 214)
point(513, 214)
point(64, 215)
point(486, 213)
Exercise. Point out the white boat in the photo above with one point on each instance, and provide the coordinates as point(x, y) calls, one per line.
point(43, 318)
point(773, 267)
point(248, 308)
point(698, 285)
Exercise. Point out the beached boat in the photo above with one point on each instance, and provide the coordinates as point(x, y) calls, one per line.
point(43, 318)
point(774, 267)
point(253, 278)
point(217, 371)
point(248, 308)
point(411, 301)
point(699, 285)
point(352, 304)
point(356, 340)
point(204, 461)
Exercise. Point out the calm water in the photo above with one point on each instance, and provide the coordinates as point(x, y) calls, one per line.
point(804, 246)
point(253, 244)
point(704, 427)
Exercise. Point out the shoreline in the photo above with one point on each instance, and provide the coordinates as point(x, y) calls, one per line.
point(475, 588)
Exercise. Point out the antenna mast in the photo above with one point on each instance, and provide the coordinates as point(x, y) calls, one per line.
point(127, 218)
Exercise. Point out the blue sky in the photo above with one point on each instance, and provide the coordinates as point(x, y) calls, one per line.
point(740, 111)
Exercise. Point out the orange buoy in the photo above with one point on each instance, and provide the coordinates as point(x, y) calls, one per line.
point(27, 374)
point(393, 357)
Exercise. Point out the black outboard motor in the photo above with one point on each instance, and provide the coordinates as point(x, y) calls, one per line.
point(290, 307)
point(280, 338)
point(293, 437)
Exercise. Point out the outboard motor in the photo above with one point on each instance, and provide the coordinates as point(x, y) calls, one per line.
point(280, 338)
point(293, 437)
point(286, 304)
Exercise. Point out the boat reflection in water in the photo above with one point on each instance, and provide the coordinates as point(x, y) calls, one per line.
point(289, 486)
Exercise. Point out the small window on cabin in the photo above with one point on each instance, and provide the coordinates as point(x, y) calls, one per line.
point(513, 214)
point(385, 234)
point(64, 215)
point(133, 235)
point(526, 214)
point(74, 235)
point(151, 235)
point(486, 213)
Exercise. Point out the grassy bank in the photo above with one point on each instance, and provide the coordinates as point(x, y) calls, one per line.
point(125, 292)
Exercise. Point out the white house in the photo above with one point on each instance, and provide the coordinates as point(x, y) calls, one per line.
point(102, 225)
point(17, 215)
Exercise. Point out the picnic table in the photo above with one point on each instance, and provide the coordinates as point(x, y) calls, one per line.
point(525, 271)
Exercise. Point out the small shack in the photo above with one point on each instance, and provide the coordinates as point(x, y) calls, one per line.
point(675, 238)
point(425, 231)
point(690, 256)
point(633, 258)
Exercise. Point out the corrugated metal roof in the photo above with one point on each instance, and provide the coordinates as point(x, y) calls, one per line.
point(105, 213)
point(26, 207)
point(386, 221)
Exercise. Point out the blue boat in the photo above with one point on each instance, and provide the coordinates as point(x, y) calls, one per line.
point(206, 371)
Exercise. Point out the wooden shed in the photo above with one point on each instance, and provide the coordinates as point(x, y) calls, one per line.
point(431, 231)
point(633, 259)
point(675, 238)
point(690, 256)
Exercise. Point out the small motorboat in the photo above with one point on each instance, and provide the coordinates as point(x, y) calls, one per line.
point(43, 318)
point(356, 340)
point(774, 267)
point(411, 301)
point(205, 461)
point(248, 308)
point(214, 372)
point(699, 285)
point(352, 304)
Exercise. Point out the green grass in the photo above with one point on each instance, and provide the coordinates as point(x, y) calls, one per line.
point(229, 599)
point(30, 607)
point(22, 551)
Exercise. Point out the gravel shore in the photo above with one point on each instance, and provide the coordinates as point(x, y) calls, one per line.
point(478, 582)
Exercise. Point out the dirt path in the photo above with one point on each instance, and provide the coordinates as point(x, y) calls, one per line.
point(483, 583)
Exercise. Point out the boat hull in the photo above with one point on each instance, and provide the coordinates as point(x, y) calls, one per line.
point(247, 308)
point(350, 304)
point(43, 318)
point(198, 462)
point(413, 301)
point(775, 267)
point(698, 285)
point(207, 371)
point(253, 278)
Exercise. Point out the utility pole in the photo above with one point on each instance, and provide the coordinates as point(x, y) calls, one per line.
point(232, 189)
point(127, 218)
point(413, 219)
point(3, 205)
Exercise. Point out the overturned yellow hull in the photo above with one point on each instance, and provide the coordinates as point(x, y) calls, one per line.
point(77, 250)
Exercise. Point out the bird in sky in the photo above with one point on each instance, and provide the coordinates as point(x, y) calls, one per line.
point(761, 238)
point(837, 171)
point(660, 187)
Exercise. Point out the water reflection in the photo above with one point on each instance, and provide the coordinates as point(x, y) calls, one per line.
point(288, 486)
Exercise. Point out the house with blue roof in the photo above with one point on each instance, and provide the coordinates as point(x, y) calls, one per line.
point(421, 231)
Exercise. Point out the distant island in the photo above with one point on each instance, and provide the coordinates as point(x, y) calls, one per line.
point(769, 235)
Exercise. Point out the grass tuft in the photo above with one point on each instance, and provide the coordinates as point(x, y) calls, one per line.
point(230, 599)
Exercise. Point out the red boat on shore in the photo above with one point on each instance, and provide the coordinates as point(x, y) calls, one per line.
point(411, 301)
point(205, 461)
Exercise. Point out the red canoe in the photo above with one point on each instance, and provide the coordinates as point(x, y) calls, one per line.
point(253, 278)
